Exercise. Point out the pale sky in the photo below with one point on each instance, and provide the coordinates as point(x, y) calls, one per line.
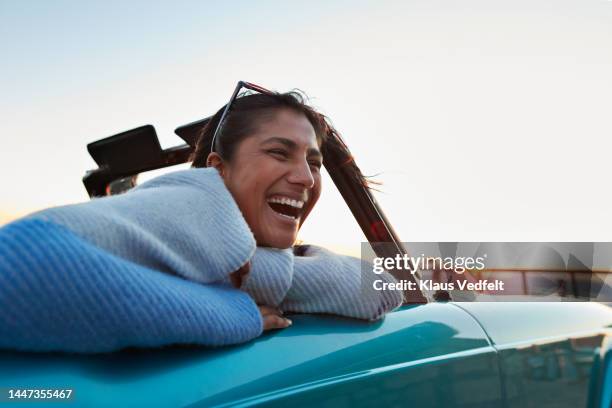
point(485, 120)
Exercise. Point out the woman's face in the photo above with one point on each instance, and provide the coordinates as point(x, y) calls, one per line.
point(274, 176)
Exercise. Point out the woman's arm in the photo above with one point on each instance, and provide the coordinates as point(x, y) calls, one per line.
point(324, 282)
point(61, 293)
point(184, 223)
point(318, 281)
point(270, 276)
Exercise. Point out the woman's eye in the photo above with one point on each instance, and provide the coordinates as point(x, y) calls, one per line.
point(279, 153)
point(315, 165)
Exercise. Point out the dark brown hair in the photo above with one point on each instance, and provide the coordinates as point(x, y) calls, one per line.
point(249, 110)
point(246, 114)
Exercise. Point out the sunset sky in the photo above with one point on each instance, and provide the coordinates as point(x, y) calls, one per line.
point(485, 120)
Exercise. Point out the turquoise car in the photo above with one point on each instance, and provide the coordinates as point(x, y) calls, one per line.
point(429, 353)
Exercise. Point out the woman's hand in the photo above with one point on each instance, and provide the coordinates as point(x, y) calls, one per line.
point(272, 318)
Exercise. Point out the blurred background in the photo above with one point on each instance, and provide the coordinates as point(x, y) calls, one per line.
point(485, 120)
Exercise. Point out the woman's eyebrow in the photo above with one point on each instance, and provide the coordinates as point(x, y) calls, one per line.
point(290, 144)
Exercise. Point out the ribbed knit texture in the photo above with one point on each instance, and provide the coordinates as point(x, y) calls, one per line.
point(58, 292)
point(321, 282)
point(185, 223)
point(151, 267)
point(270, 276)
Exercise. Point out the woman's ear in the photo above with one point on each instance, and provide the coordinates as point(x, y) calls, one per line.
point(214, 160)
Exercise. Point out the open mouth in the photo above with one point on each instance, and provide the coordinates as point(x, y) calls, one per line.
point(286, 206)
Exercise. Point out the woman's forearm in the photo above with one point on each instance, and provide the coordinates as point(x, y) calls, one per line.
point(60, 293)
point(324, 282)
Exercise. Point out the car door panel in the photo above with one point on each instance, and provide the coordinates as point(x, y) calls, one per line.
point(414, 354)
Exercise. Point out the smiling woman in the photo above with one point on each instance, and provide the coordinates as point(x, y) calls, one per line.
point(274, 173)
point(202, 256)
point(275, 180)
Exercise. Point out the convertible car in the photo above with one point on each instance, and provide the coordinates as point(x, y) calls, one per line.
point(432, 352)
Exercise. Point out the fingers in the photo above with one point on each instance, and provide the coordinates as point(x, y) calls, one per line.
point(275, 322)
point(273, 319)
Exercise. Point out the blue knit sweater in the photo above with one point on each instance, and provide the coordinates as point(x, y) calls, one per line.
point(151, 267)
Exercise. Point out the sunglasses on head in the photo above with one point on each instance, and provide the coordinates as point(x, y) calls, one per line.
point(239, 86)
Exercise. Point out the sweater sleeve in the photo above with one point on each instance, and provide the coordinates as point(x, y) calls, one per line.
point(319, 281)
point(184, 223)
point(60, 293)
point(324, 282)
point(270, 276)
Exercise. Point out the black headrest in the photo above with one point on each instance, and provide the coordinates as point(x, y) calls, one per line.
point(190, 132)
point(128, 149)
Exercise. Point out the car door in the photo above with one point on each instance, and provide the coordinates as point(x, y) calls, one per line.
point(433, 355)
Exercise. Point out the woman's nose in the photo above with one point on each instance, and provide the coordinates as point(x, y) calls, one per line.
point(301, 174)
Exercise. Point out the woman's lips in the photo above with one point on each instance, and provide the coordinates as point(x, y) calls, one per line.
point(287, 219)
point(288, 207)
point(286, 200)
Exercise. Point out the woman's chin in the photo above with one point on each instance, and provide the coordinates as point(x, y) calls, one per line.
point(282, 240)
point(278, 231)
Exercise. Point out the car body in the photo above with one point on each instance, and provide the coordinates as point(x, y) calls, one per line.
point(428, 353)
point(431, 355)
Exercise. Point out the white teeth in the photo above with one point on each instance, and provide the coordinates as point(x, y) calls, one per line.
point(287, 201)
